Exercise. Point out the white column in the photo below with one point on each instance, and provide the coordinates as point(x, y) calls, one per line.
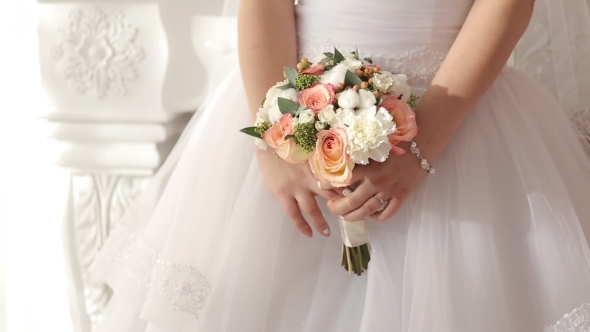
point(122, 78)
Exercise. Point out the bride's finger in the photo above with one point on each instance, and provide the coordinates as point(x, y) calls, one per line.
point(370, 207)
point(310, 207)
point(294, 213)
point(329, 194)
point(352, 200)
point(390, 210)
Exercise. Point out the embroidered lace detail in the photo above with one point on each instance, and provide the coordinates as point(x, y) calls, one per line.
point(576, 321)
point(180, 287)
point(420, 64)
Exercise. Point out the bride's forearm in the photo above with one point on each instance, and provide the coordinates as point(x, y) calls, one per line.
point(475, 60)
point(267, 42)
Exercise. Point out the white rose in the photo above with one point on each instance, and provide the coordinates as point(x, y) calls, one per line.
point(349, 99)
point(383, 82)
point(401, 87)
point(367, 99)
point(306, 116)
point(335, 75)
point(319, 126)
point(352, 63)
point(327, 115)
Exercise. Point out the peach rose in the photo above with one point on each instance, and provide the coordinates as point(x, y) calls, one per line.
point(330, 162)
point(276, 134)
point(317, 96)
point(291, 152)
point(405, 121)
point(317, 70)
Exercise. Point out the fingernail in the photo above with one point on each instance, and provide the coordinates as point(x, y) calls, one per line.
point(326, 232)
point(346, 192)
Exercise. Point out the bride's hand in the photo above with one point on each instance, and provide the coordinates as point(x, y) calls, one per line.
point(393, 180)
point(295, 187)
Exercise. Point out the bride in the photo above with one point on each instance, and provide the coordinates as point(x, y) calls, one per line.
point(230, 238)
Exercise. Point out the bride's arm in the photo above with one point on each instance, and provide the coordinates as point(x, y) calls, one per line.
point(481, 50)
point(488, 36)
point(267, 42)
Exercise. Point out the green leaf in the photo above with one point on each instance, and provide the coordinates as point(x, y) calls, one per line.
point(329, 55)
point(356, 54)
point(299, 110)
point(287, 106)
point(338, 57)
point(291, 74)
point(286, 86)
point(369, 60)
point(251, 131)
point(351, 79)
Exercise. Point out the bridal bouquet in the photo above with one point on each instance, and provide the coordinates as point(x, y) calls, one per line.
point(335, 114)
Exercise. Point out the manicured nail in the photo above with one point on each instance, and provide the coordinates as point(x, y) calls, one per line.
point(326, 232)
point(346, 192)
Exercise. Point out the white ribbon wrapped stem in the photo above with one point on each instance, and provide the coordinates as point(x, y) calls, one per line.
point(354, 233)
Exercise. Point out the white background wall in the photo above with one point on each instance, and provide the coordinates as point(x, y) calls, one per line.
point(32, 192)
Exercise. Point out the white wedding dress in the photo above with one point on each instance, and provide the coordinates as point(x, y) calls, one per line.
point(494, 241)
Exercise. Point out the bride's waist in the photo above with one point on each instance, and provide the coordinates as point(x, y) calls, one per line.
point(419, 61)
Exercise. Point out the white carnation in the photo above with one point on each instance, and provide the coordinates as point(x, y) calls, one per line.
point(383, 82)
point(261, 116)
point(368, 134)
point(335, 75)
point(349, 99)
point(344, 117)
point(327, 115)
point(367, 99)
point(401, 87)
point(307, 117)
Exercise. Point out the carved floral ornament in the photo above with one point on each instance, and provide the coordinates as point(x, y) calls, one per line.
point(96, 53)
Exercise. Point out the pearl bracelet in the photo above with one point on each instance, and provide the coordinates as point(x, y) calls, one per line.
point(423, 162)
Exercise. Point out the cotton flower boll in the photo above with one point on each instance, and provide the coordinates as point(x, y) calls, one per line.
point(401, 87)
point(349, 99)
point(307, 117)
point(274, 114)
point(327, 115)
point(335, 75)
point(367, 99)
point(273, 93)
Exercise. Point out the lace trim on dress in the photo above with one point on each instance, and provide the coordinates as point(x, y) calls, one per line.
point(576, 321)
point(420, 64)
point(180, 287)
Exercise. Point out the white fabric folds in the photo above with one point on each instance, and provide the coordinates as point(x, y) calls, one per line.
point(494, 241)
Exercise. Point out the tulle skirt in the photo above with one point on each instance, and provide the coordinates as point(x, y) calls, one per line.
point(494, 241)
